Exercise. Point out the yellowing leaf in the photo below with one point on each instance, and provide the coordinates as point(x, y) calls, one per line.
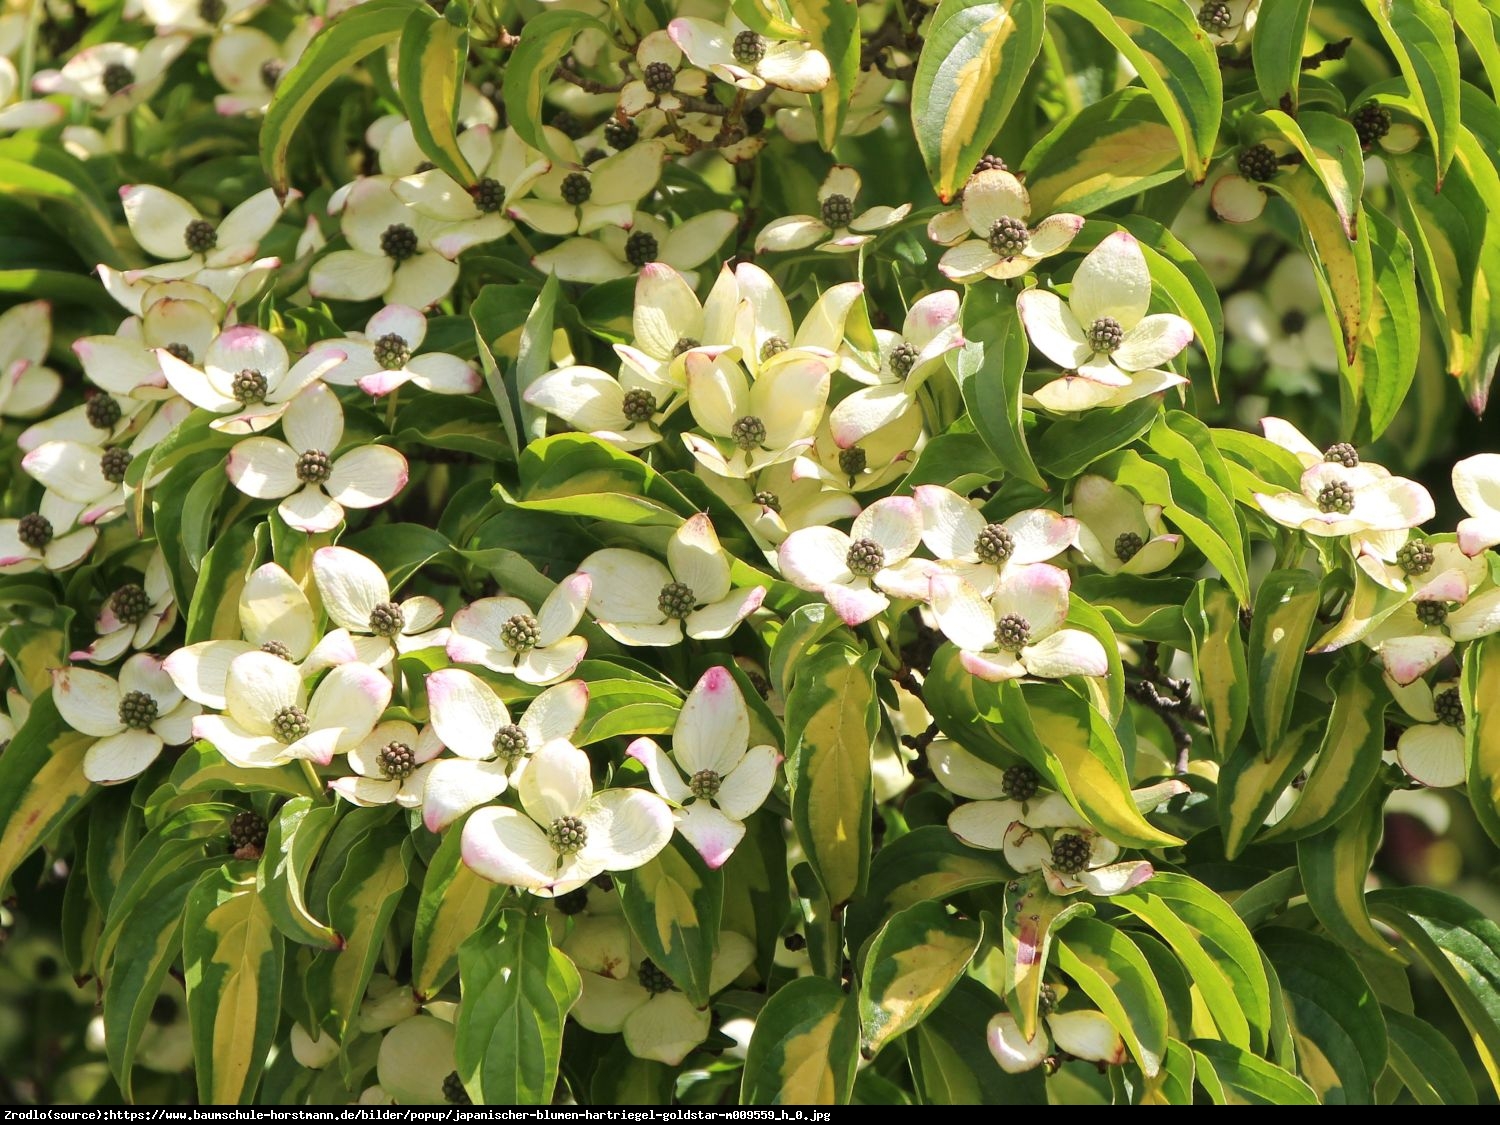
point(913, 963)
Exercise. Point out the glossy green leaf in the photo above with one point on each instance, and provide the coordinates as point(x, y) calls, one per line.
point(1276, 47)
point(913, 963)
point(1426, 1062)
point(1390, 344)
point(1419, 33)
point(832, 27)
point(990, 369)
point(673, 905)
point(1286, 608)
point(430, 69)
point(1253, 779)
point(545, 39)
point(455, 904)
point(1481, 698)
point(293, 839)
point(1113, 973)
point(804, 1048)
point(1231, 1075)
point(951, 1064)
point(1334, 866)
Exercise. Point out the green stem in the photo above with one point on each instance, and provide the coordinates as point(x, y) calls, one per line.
point(318, 788)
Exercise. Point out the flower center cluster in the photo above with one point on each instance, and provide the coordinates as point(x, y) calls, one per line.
point(621, 134)
point(277, 649)
point(705, 784)
point(1336, 497)
point(211, 11)
point(396, 761)
point(576, 188)
point(398, 242)
point(249, 387)
point(1415, 557)
point(639, 405)
point(1432, 612)
point(511, 744)
point(1371, 122)
point(852, 461)
point(113, 464)
point(1070, 854)
point(1127, 545)
point(138, 710)
point(1342, 453)
point(1215, 16)
point(34, 530)
point(270, 73)
point(773, 346)
point(1012, 632)
point(749, 47)
point(314, 467)
point(1105, 334)
point(567, 835)
point(685, 344)
point(392, 352)
point(102, 411)
point(130, 603)
point(641, 248)
point(247, 830)
point(676, 600)
point(386, 619)
point(1008, 236)
point(659, 77)
point(748, 432)
point(994, 544)
point(989, 162)
point(180, 351)
point(574, 902)
point(200, 236)
point(1020, 782)
point(1046, 999)
point(865, 558)
point(1257, 163)
point(116, 77)
point(652, 979)
point(903, 359)
point(1449, 706)
point(838, 211)
point(289, 724)
point(768, 500)
point(520, 633)
point(454, 1092)
point(488, 195)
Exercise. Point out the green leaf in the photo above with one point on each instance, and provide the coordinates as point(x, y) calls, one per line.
point(1286, 607)
point(545, 39)
point(430, 70)
point(1424, 1059)
point(1389, 347)
point(1113, 973)
point(913, 963)
point(1276, 48)
point(215, 608)
point(1328, 145)
point(974, 62)
point(1233, 1076)
point(576, 474)
point(804, 1048)
point(1219, 662)
point(832, 27)
point(673, 905)
point(1253, 779)
point(950, 1063)
point(1333, 1015)
point(455, 904)
point(232, 959)
point(1335, 865)
point(517, 990)
point(804, 627)
point(333, 52)
point(989, 371)
point(41, 783)
point(1420, 35)
point(1481, 697)
point(294, 838)
point(1461, 948)
point(1175, 62)
point(831, 717)
point(1033, 916)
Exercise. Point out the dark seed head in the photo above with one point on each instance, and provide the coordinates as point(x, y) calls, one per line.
point(1415, 557)
point(1293, 321)
point(652, 979)
point(398, 242)
point(179, 351)
point(705, 784)
point(639, 405)
point(1257, 163)
point(1336, 497)
point(749, 47)
point(34, 530)
point(488, 195)
point(249, 387)
point(211, 11)
point(568, 124)
point(1070, 854)
point(1215, 16)
point(102, 411)
point(314, 467)
point(130, 603)
point(641, 247)
point(676, 600)
point(773, 346)
point(200, 236)
point(290, 724)
point(574, 902)
point(511, 744)
point(989, 162)
point(1449, 706)
point(865, 558)
point(794, 943)
point(1105, 335)
point(392, 352)
point(748, 432)
point(838, 211)
point(454, 1092)
point(903, 359)
point(1020, 782)
point(994, 544)
point(621, 134)
point(248, 829)
point(1012, 632)
point(386, 619)
point(1008, 236)
point(1371, 122)
point(278, 649)
point(576, 188)
point(1432, 613)
point(1342, 453)
point(163, 1011)
point(685, 344)
point(853, 461)
point(116, 77)
point(1127, 545)
point(114, 463)
point(138, 710)
point(659, 77)
point(1046, 999)
point(520, 632)
point(769, 500)
point(567, 835)
point(270, 73)
point(396, 761)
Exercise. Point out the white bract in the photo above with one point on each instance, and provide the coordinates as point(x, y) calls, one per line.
point(571, 198)
point(777, 502)
point(248, 376)
point(381, 359)
point(1018, 629)
point(270, 719)
point(248, 63)
point(134, 616)
point(1476, 484)
point(664, 80)
point(396, 253)
point(615, 252)
point(712, 776)
point(1225, 21)
point(736, 54)
point(313, 485)
point(1083, 1034)
point(977, 549)
point(358, 598)
point(391, 764)
point(537, 647)
point(114, 78)
point(761, 422)
point(1118, 533)
point(23, 113)
point(45, 539)
point(27, 385)
point(1432, 750)
point(567, 833)
point(493, 750)
point(506, 168)
point(171, 228)
point(836, 228)
point(1284, 322)
point(668, 322)
point(765, 332)
point(132, 717)
point(855, 572)
point(198, 17)
point(990, 234)
point(639, 601)
point(1336, 499)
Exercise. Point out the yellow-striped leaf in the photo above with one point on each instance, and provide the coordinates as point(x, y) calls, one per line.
point(1112, 972)
point(832, 27)
point(455, 904)
point(293, 839)
point(545, 39)
point(804, 1047)
point(673, 905)
point(41, 783)
point(430, 69)
point(1335, 864)
point(913, 963)
point(1219, 662)
point(1481, 698)
point(1252, 779)
point(1420, 35)
point(1286, 607)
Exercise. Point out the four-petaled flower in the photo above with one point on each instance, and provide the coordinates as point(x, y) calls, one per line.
point(391, 765)
point(27, 385)
point(357, 596)
point(172, 229)
point(1431, 750)
point(663, 79)
point(836, 228)
point(989, 234)
point(132, 717)
point(247, 376)
point(114, 78)
point(382, 358)
point(1117, 532)
point(762, 421)
point(977, 549)
point(396, 252)
point(904, 362)
point(504, 634)
point(1476, 483)
point(856, 571)
point(736, 54)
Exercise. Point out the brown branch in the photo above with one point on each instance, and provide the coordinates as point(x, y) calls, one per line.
point(589, 85)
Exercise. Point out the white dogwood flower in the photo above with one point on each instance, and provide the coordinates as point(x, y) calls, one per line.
point(567, 833)
point(504, 634)
point(765, 332)
point(396, 253)
point(269, 719)
point(761, 423)
point(668, 322)
point(1073, 857)
point(573, 198)
point(169, 227)
point(247, 376)
point(198, 17)
point(1476, 484)
point(132, 717)
point(978, 549)
point(1283, 322)
point(777, 502)
point(616, 252)
point(879, 458)
point(114, 78)
point(87, 477)
point(625, 412)
point(134, 616)
point(836, 228)
point(712, 777)
point(493, 749)
point(1117, 532)
point(1018, 630)
point(27, 385)
point(1339, 499)
point(248, 63)
point(1424, 630)
point(45, 539)
point(1226, 21)
point(380, 360)
point(1082, 1033)
point(1431, 750)
point(181, 317)
point(313, 485)
point(391, 765)
point(856, 571)
point(736, 54)
point(23, 113)
point(663, 79)
point(639, 601)
point(358, 598)
point(506, 167)
point(989, 233)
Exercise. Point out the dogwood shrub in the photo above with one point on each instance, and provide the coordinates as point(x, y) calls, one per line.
point(749, 552)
